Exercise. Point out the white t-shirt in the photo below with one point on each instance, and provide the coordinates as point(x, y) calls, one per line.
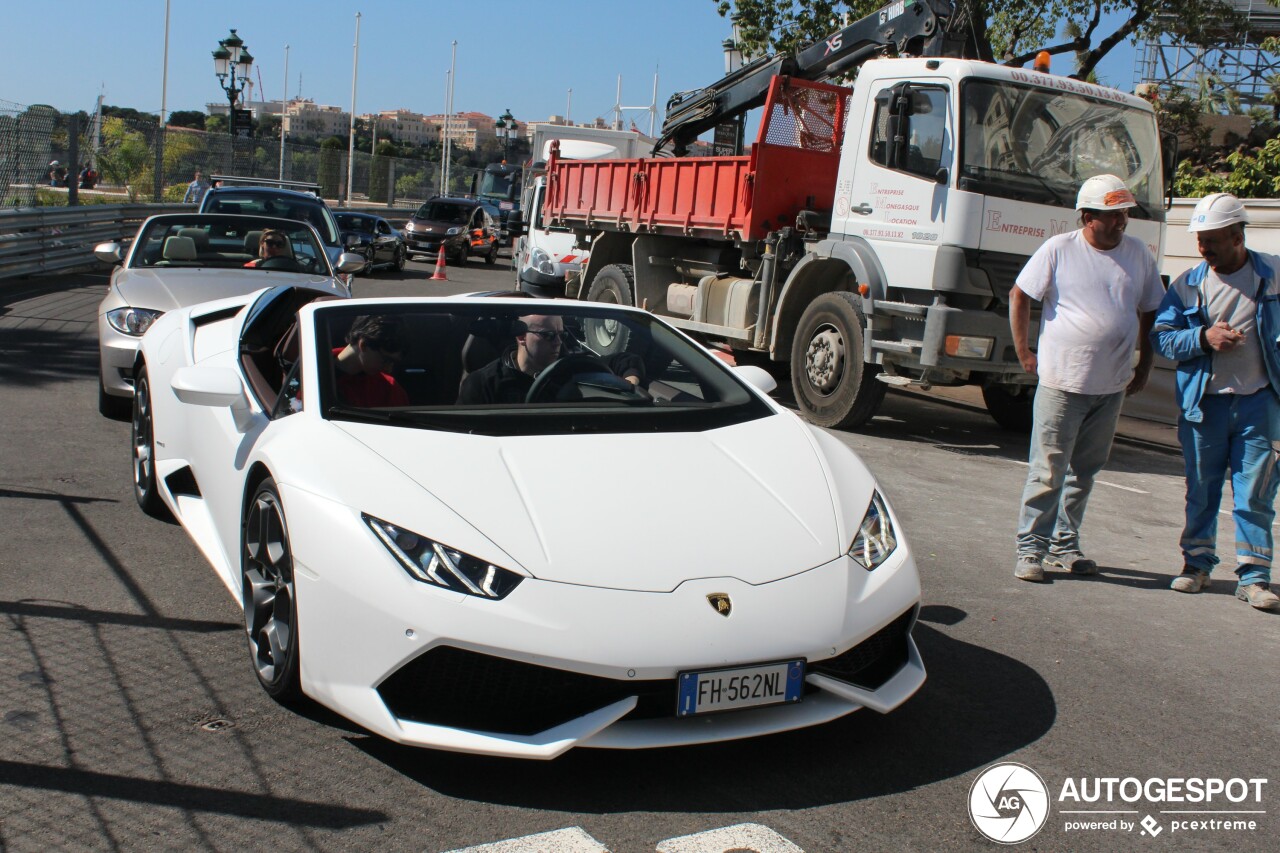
point(1090, 299)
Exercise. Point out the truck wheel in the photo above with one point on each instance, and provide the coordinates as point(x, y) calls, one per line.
point(615, 285)
point(833, 387)
point(1010, 405)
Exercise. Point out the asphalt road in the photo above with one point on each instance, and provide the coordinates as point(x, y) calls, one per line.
point(132, 720)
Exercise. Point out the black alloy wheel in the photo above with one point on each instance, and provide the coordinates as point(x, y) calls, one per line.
point(143, 442)
point(268, 595)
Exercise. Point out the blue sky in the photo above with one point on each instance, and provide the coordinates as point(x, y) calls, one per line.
point(522, 56)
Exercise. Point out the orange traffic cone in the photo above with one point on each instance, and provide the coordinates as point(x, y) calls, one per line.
point(439, 273)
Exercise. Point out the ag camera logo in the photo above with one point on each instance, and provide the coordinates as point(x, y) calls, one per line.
point(1008, 803)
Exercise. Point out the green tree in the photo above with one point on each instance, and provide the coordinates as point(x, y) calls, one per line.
point(331, 166)
point(1012, 31)
point(124, 158)
point(187, 118)
point(378, 168)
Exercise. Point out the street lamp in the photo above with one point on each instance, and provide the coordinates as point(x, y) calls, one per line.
point(507, 131)
point(231, 62)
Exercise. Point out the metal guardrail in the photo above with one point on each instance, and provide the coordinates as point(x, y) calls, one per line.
point(35, 241)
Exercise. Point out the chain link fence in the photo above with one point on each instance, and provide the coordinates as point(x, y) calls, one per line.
point(44, 154)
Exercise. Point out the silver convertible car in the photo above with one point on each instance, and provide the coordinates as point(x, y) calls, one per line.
point(182, 259)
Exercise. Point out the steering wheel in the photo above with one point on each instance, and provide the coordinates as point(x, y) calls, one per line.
point(553, 376)
point(280, 262)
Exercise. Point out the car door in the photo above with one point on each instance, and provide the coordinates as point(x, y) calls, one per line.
point(385, 242)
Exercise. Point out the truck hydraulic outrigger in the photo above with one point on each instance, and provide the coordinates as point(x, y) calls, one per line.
point(906, 28)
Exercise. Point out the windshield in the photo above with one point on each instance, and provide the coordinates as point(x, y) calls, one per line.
point(1035, 144)
point(287, 206)
point(202, 240)
point(446, 212)
point(512, 369)
point(497, 185)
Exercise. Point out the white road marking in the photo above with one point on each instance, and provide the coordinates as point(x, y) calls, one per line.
point(1095, 482)
point(571, 840)
point(744, 836)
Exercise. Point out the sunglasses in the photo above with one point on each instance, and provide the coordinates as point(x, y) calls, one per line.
point(275, 244)
point(548, 335)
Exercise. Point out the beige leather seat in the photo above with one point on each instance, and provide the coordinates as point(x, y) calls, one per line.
point(179, 249)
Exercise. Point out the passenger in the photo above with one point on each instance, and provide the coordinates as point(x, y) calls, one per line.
point(374, 345)
point(539, 342)
point(273, 244)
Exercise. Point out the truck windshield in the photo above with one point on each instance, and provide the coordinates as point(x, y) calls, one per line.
point(1036, 144)
point(498, 185)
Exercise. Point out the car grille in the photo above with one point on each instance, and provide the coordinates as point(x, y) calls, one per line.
point(457, 688)
point(463, 689)
point(873, 661)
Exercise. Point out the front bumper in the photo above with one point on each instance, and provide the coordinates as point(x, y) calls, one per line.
point(117, 353)
point(379, 646)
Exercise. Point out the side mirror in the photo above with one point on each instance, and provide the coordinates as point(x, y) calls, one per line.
point(757, 377)
point(109, 253)
point(515, 224)
point(350, 262)
point(208, 386)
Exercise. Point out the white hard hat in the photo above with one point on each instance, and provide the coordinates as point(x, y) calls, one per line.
point(1104, 192)
point(53, 162)
point(1217, 211)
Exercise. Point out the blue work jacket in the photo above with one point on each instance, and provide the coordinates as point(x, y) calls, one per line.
point(1183, 313)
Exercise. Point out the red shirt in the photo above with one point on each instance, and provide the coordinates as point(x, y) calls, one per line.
point(369, 390)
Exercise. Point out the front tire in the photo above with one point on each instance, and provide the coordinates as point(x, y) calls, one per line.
point(492, 257)
point(268, 595)
point(402, 257)
point(833, 386)
point(143, 440)
point(613, 285)
point(1012, 409)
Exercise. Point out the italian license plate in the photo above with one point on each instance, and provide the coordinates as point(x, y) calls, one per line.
point(740, 687)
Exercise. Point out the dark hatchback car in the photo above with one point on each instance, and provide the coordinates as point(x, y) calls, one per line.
point(286, 204)
point(374, 238)
point(461, 226)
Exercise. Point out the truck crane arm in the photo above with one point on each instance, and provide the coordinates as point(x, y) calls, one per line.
point(904, 27)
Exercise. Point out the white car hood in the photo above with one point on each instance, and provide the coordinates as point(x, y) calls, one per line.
point(167, 289)
point(632, 512)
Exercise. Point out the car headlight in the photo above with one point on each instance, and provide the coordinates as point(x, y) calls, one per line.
point(408, 226)
point(132, 321)
point(452, 231)
point(439, 565)
point(876, 538)
point(541, 261)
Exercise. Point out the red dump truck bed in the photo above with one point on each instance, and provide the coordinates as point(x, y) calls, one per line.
point(792, 167)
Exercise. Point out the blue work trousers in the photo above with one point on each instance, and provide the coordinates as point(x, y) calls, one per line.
point(1239, 434)
point(1071, 438)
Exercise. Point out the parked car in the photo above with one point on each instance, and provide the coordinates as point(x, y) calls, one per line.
point(373, 238)
point(272, 201)
point(181, 259)
point(460, 225)
point(441, 574)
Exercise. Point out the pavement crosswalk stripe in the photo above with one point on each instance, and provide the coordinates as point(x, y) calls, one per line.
point(571, 840)
point(743, 836)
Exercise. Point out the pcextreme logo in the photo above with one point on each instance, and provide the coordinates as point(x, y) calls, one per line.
point(1008, 803)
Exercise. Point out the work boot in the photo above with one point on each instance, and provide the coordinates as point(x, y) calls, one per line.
point(1191, 580)
point(1029, 568)
point(1072, 561)
point(1258, 595)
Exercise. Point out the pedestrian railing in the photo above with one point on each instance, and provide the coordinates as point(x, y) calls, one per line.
point(34, 241)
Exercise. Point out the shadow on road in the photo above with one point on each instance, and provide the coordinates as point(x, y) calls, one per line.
point(976, 707)
point(36, 356)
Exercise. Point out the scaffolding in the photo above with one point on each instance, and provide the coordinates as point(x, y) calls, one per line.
point(1234, 60)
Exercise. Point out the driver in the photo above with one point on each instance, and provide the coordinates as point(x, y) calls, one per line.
point(272, 244)
point(539, 342)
